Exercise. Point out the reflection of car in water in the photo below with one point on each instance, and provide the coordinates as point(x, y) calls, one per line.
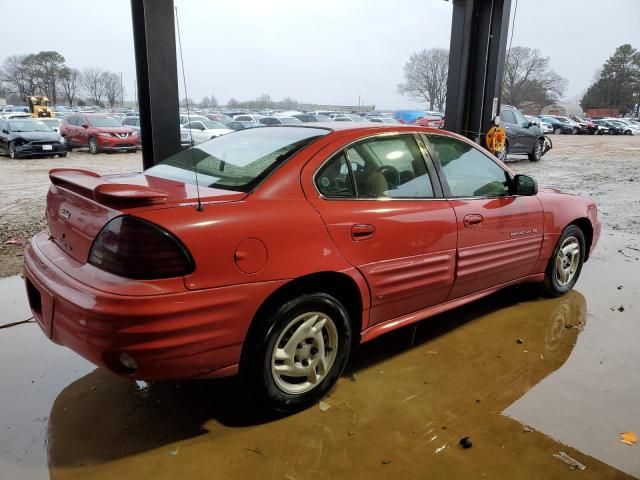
point(481, 361)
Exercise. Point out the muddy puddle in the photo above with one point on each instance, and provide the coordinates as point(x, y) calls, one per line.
point(565, 367)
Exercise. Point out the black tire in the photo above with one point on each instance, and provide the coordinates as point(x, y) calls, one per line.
point(259, 362)
point(93, 146)
point(69, 147)
point(12, 150)
point(557, 131)
point(62, 155)
point(553, 286)
point(538, 148)
point(502, 155)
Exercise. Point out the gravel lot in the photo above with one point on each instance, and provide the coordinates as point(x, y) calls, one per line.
point(605, 168)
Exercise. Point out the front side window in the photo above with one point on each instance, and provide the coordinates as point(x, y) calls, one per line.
point(468, 171)
point(507, 116)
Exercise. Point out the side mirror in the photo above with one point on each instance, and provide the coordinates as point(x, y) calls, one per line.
point(84, 125)
point(524, 185)
point(533, 124)
point(4, 130)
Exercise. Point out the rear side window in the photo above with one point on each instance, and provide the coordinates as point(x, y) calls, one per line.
point(381, 167)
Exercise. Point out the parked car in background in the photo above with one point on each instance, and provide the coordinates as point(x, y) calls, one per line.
point(382, 120)
point(627, 127)
point(524, 137)
point(52, 123)
point(544, 126)
point(237, 125)
point(132, 121)
point(12, 115)
point(205, 129)
point(342, 118)
point(98, 132)
point(613, 128)
point(248, 117)
point(28, 137)
point(272, 121)
point(309, 117)
point(148, 286)
point(559, 126)
point(586, 126)
point(578, 129)
point(219, 117)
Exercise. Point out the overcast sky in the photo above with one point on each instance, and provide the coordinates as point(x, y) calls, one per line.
point(328, 51)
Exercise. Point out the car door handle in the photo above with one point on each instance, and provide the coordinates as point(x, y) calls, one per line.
point(362, 231)
point(473, 220)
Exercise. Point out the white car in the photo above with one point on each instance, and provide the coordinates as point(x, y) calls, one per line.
point(544, 126)
point(248, 118)
point(52, 123)
point(629, 127)
point(203, 130)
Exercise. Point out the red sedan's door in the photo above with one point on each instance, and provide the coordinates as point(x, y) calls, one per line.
point(382, 206)
point(499, 235)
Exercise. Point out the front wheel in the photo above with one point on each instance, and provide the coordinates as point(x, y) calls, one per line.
point(12, 150)
point(538, 148)
point(301, 350)
point(565, 264)
point(502, 154)
point(93, 146)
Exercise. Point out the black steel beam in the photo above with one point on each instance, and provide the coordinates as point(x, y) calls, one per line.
point(157, 75)
point(479, 31)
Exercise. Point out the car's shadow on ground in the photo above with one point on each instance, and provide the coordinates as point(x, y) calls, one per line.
point(103, 417)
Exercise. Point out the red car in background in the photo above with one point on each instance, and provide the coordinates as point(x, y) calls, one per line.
point(300, 242)
point(99, 133)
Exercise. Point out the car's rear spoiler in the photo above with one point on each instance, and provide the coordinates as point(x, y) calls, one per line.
point(91, 185)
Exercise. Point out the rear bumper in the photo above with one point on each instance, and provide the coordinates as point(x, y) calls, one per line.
point(185, 334)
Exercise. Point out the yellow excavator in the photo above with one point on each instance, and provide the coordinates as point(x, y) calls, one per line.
point(39, 107)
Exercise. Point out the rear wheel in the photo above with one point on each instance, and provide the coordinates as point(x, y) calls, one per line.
point(299, 352)
point(538, 148)
point(565, 264)
point(93, 146)
point(502, 154)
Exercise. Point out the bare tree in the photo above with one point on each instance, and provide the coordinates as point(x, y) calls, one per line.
point(529, 79)
point(19, 76)
point(70, 80)
point(93, 82)
point(426, 75)
point(113, 88)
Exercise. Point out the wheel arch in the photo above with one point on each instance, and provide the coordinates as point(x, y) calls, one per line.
point(340, 285)
point(584, 224)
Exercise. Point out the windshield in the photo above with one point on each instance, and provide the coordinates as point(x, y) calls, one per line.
point(103, 122)
point(237, 161)
point(28, 126)
point(51, 121)
point(210, 124)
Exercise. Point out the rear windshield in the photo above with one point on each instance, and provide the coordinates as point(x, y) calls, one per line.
point(236, 161)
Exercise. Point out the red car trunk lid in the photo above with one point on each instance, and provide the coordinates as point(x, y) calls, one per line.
point(81, 202)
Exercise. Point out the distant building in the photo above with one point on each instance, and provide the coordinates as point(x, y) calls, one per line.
point(603, 112)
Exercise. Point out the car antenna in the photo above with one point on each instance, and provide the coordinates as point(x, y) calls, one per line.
point(199, 208)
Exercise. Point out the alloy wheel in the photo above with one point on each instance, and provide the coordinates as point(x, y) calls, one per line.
point(304, 353)
point(567, 260)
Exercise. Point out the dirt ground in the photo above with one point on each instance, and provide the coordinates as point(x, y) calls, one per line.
point(605, 168)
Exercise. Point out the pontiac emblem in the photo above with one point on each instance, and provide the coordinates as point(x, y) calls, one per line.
point(65, 213)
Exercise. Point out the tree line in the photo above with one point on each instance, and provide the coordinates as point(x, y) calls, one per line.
point(528, 79)
point(46, 73)
point(617, 83)
point(264, 101)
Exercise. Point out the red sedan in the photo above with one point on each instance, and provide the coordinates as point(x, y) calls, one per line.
point(270, 252)
point(99, 133)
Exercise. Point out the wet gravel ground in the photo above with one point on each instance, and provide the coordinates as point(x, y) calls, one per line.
point(525, 378)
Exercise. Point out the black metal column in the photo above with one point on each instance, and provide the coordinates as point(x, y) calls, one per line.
point(479, 31)
point(157, 74)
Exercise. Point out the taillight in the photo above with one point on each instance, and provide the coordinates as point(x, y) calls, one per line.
point(134, 248)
